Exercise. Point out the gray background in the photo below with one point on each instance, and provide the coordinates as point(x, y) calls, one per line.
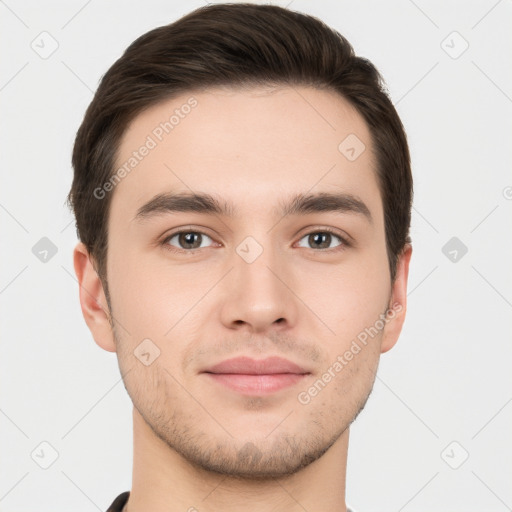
point(442, 394)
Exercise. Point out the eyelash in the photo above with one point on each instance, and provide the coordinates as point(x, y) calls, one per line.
point(344, 242)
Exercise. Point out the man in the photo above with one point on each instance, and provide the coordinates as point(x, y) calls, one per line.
point(242, 190)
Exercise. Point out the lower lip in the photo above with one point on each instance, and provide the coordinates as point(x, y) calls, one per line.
point(257, 384)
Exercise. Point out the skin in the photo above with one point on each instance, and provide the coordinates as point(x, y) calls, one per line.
point(197, 443)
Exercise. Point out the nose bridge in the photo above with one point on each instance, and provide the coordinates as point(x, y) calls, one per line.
point(258, 294)
point(255, 265)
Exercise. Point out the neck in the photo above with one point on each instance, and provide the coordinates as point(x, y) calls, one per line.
point(163, 481)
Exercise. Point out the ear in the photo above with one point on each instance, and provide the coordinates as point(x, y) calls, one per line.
point(398, 302)
point(92, 299)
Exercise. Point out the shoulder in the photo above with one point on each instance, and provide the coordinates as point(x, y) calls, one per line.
point(118, 504)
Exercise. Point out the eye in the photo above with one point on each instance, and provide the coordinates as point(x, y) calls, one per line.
point(323, 239)
point(187, 240)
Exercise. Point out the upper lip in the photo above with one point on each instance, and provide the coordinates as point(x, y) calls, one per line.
point(248, 366)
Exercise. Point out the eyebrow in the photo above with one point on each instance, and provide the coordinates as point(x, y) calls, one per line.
point(300, 204)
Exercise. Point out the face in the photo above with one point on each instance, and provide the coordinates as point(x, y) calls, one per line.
point(286, 258)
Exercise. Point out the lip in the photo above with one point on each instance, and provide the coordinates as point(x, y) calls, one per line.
point(256, 377)
point(247, 366)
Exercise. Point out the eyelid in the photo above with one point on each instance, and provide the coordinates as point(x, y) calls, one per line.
point(327, 229)
point(185, 229)
point(346, 239)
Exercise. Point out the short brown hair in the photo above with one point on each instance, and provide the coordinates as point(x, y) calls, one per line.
point(235, 45)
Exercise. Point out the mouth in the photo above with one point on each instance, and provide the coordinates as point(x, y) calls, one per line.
point(256, 377)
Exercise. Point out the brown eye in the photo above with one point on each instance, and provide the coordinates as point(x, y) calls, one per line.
point(188, 240)
point(322, 240)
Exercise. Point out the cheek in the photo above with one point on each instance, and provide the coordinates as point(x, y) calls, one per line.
point(159, 303)
point(148, 296)
point(347, 297)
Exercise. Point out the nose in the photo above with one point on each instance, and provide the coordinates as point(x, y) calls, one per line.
point(258, 294)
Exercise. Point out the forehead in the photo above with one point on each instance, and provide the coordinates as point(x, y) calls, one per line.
point(251, 147)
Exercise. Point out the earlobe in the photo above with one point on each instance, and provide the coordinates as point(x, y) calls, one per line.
point(92, 299)
point(398, 302)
